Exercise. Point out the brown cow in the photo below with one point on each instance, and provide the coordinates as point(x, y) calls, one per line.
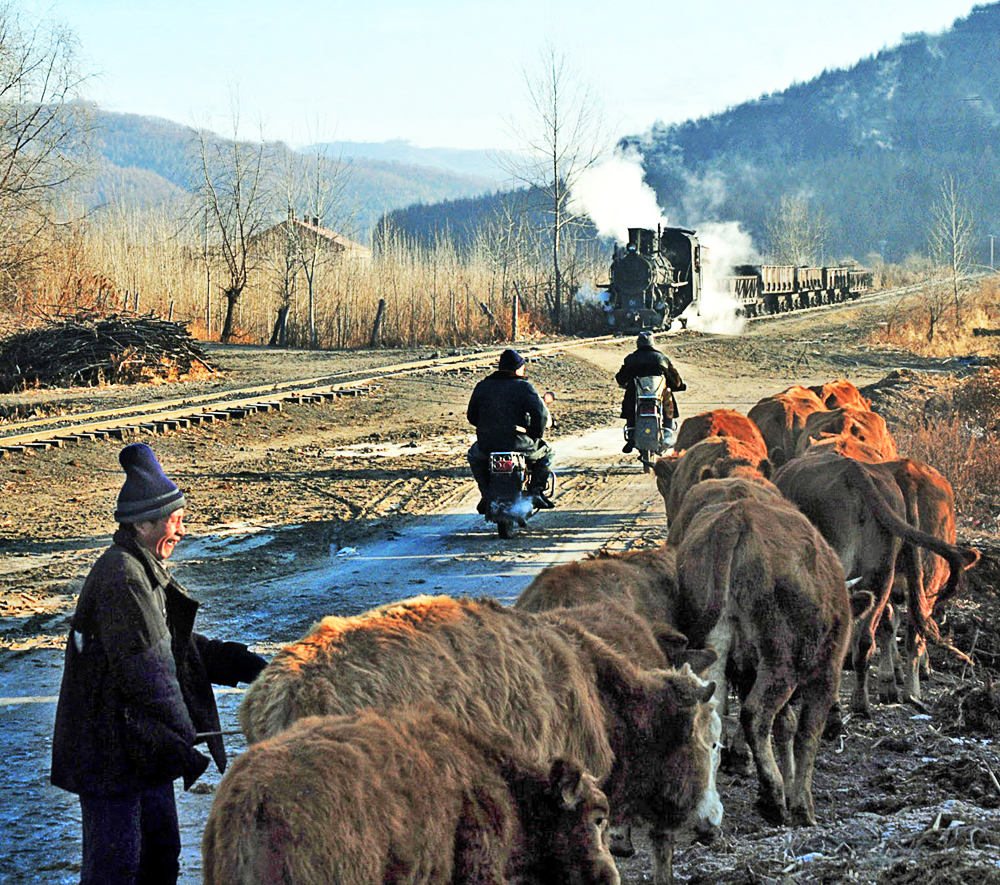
point(762, 587)
point(402, 797)
point(781, 418)
point(861, 512)
point(930, 507)
point(864, 425)
point(714, 491)
point(643, 580)
point(720, 422)
point(648, 735)
point(848, 446)
point(835, 394)
point(675, 474)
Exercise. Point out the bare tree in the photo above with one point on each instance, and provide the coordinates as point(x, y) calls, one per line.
point(951, 236)
point(41, 133)
point(564, 134)
point(236, 203)
point(796, 235)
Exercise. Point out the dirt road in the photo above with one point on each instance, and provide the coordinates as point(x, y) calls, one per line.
point(334, 509)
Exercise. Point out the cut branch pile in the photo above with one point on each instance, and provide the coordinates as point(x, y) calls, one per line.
point(92, 352)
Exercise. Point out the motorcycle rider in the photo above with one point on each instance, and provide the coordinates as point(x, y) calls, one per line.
point(509, 416)
point(646, 360)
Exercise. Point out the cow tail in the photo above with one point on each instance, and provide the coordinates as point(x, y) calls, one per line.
point(891, 522)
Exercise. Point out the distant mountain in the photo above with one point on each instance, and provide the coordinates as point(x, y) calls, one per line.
point(469, 163)
point(147, 161)
point(867, 147)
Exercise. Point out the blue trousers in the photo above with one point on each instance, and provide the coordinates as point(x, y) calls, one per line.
point(131, 840)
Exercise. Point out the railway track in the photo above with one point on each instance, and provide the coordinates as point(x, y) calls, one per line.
point(42, 434)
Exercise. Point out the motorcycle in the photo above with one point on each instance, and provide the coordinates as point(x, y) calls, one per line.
point(650, 435)
point(508, 502)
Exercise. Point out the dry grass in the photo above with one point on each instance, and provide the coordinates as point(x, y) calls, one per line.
point(143, 263)
point(965, 447)
point(908, 325)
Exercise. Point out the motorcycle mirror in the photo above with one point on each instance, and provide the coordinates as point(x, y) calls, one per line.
point(548, 397)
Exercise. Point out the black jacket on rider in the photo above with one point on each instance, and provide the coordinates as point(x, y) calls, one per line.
point(500, 405)
point(647, 360)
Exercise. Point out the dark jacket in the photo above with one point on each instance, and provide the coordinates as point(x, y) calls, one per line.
point(648, 361)
point(500, 404)
point(137, 683)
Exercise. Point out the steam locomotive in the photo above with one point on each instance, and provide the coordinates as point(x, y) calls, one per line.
point(658, 275)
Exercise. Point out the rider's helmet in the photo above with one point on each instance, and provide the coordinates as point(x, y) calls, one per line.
point(645, 339)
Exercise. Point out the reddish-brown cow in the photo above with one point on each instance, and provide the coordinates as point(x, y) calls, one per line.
point(861, 512)
point(557, 689)
point(720, 422)
point(835, 394)
point(864, 425)
point(724, 456)
point(781, 418)
point(761, 586)
point(402, 797)
point(930, 507)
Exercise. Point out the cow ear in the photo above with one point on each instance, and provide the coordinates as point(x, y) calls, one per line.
point(664, 467)
point(566, 782)
point(671, 641)
point(707, 472)
point(690, 694)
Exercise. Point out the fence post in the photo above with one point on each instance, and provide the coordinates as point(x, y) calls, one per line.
point(377, 327)
point(513, 314)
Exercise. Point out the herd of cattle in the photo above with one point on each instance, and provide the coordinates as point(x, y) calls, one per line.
point(443, 740)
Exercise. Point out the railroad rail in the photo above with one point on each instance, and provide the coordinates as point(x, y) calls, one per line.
point(42, 434)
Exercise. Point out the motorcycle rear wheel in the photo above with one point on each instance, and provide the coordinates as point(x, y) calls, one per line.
point(506, 528)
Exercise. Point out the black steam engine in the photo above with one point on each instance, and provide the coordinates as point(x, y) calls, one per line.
point(659, 274)
point(653, 278)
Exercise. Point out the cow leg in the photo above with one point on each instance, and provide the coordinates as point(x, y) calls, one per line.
point(817, 699)
point(781, 738)
point(888, 656)
point(916, 651)
point(881, 585)
point(768, 696)
point(663, 856)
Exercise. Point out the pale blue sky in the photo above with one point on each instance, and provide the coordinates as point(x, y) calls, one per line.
point(448, 73)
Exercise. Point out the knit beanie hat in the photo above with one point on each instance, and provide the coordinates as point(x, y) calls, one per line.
point(511, 360)
point(147, 492)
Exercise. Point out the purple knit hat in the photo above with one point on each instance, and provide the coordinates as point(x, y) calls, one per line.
point(147, 492)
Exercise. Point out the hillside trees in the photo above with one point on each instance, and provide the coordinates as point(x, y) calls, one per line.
point(796, 234)
point(951, 237)
point(564, 133)
point(41, 136)
point(237, 208)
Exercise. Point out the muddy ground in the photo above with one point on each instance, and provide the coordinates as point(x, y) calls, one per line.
point(331, 508)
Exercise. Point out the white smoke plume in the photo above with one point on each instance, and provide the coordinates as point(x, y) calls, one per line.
point(615, 197)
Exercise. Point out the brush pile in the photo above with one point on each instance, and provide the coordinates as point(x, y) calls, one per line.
point(89, 352)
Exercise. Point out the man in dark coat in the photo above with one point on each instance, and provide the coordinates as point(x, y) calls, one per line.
point(510, 416)
point(646, 360)
point(137, 689)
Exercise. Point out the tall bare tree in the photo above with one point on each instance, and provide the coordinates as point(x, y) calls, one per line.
point(564, 133)
point(796, 234)
point(237, 208)
point(42, 133)
point(951, 236)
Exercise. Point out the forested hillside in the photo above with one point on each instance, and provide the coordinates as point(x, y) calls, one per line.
point(147, 161)
point(864, 150)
